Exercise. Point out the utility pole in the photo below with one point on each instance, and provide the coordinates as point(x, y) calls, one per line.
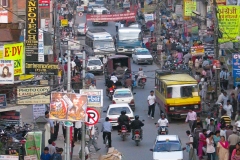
point(216, 47)
point(55, 29)
point(83, 123)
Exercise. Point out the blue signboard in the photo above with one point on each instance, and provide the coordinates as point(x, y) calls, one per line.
point(236, 68)
point(94, 99)
point(3, 100)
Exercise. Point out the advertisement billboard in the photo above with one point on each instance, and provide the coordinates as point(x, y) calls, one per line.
point(6, 71)
point(15, 52)
point(229, 21)
point(3, 100)
point(10, 118)
point(68, 106)
point(33, 145)
point(41, 68)
point(197, 50)
point(236, 68)
point(189, 6)
point(38, 110)
point(111, 17)
point(95, 97)
point(33, 95)
point(31, 41)
point(3, 16)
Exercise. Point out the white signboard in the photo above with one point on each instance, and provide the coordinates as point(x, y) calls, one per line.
point(40, 48)
point(80, 8)
point(148, 17)
point(179, 10)
point(3, 16)
point(38, 110)
point(8, 157)
point(40, 57)
point(40, 35)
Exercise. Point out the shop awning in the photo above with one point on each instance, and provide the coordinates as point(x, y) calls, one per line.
point(12, 107)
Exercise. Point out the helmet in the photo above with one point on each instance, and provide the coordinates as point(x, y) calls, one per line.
point(136, 117)
point(106, 119)
point(162, 114)
point(123, 112)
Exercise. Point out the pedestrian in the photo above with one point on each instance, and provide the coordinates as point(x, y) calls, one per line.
point(220, 112)
point(45, 155)
point(93, 86)
point(211, 126)
point(216, 139)
point(237, 117)
point(151, 104)
point(51, 148)
point(107, 129)
point(232, 140)
point(220, 97)
point(105, 60)
point(57, 155)
point(234, 105)
point(229, 131)
point(223, 131)
point(77, 131)
point(225, 119)
point(92, 139)
point(50, 123)
point(222, 78)
point(198, 121)
point(222, 149)
point(237, 155)
point(207, 120)
point(237, 147)
point(191, 118)
point(201, 143)
point(228, 108)
point(192, 155)
point(210, 147)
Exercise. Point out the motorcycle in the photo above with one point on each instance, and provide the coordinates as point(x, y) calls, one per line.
point(162, 130)
point(124, 132)
point(141, 82)
point(137, 136)
point(111, 92)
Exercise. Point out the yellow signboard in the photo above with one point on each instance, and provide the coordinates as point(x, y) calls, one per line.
point(15, 52)
point(64, 22)
point(189, 6)
point(229, 22)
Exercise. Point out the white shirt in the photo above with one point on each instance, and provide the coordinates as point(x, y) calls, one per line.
point(114, 79)
point(210, 146)
point(78, 124)
point(229, 109)
point(104, 60)
point(73, 64)
point(220, 98)
point(92, 129)
point(92, 87)
point(225, 99)
point(151, 99)
point(207, 120)
point(163, 122)
point(223, 133)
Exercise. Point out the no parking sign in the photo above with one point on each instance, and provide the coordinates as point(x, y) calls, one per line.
point(92, 116)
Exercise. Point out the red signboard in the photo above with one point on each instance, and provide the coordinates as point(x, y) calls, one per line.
point(44, 4)
point(111, 17)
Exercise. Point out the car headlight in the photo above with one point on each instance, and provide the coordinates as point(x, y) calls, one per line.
point(195, 106)
point(171, 108)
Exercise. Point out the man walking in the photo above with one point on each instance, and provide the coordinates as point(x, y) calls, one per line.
point(151, 104)
point(191, 118)
point(233, 139)
point(192, 155)
point(107, 129)
point(92, 140)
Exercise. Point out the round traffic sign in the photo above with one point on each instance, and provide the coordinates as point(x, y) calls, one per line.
point(92, 116)
point(80, 14)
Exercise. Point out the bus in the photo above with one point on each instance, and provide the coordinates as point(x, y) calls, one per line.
point(98, 43)
point(176, 93)
point(128, 39)
point(100, 10)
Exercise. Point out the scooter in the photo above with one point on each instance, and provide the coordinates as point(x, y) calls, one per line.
point(137, 136)
point(141, 82)
point(162, 130)
point(124, 132)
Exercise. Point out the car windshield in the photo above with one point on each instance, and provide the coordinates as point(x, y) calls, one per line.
point(129, 35)
point(117, 111)
point(142, 53)
point(82, 26)
point(99, 2)
point(167, 146)
point(103, 44)
point(94, 63)
point(182, 91)
point(122, 94)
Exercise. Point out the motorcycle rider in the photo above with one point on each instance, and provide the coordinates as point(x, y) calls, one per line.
point(163, 122)
point(136, 124)
point(140, 75)
point(114, 78)
point(123, 120)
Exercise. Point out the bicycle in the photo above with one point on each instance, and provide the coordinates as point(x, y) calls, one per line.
point(106, 142)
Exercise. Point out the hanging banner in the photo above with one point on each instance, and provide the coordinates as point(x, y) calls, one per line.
point(68, 106)
point(179, 10)
point(33, 95)
point(31, 41)
point(44, 3)
point(3, 101)
point(111, 17)
point(229, 22)
point(236, 68)
point(15, 52)
point(33, 144)
point(95, 97)
point(6, 71)
point(190, 6)
point(41, 68)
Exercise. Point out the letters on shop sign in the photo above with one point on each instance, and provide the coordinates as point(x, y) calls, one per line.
point(32, 32)
point(12, 51)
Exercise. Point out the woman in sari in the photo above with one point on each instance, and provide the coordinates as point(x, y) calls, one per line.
point(216, 139)
point(222, 149)
point(201, 143)
point(234, 151)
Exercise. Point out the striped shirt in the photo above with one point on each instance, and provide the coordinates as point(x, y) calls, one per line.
point(226, 119)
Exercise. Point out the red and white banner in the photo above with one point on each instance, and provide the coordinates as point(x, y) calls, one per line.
point(44, 3)
point(111, 17)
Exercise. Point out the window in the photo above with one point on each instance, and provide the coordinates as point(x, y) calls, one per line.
point(122, 94)
point(182, 91)
point(165, 146)
point(117, 111)
point(4, 3)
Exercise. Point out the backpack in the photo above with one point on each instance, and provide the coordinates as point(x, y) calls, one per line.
point(195, 142)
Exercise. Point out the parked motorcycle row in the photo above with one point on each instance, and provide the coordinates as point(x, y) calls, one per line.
point(12, 139)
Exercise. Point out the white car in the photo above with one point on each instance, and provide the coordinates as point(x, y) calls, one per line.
point(124, 95)
point(82, 29)
point(94, 65)
point(142, 55)
point(114, 111)
point(167, 147)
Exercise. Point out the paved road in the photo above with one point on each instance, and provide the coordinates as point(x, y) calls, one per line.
point(128, 148)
